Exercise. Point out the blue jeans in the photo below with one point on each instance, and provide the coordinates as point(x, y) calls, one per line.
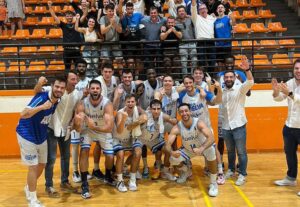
point(291, 138)
point(235, 140)
point(64, 148)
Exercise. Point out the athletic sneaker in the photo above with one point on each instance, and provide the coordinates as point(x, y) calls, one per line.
point(138, 175)
point(229, 174)
point(98, 175)
point(241, 180)
point(221, 179)
point(286, 182)
point(76, 177)
point(109, 181)
point(52, 193)
point(169, 176)
point(121, 186)
point(213, 190)
point(132, 185)
point(68, 188)
point(27, 193)
point(298, 194)
point(183, 177)
point(145, 173)
point(89, 176)
point(85, 193)
point(35, 203)
point(156, 174)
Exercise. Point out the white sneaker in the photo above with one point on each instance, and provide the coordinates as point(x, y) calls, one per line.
point(213, 190)
point(286, 182)
point(241, 180)
point(138, 175)
point(35, 203)
point(27, 193)
point(169, 176)
point(121, 186)
point(132, 185)
point(229, 174)
point(76, 177)
point(298, 194)
point(183, 176)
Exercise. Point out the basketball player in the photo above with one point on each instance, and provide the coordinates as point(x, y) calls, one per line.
point(94, 121)
point(197, 140)
point(126, 133)
point(32, 135)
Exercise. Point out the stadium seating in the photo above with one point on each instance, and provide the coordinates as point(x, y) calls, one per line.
point(38, 34)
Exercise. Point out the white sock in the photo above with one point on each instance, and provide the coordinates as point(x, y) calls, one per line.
point(213, 178)
point(133, 177)
point(75, 156)
point(119, 177)
point(33, 196)
point(220, 168)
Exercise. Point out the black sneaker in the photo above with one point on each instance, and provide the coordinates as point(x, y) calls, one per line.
point(110, 181)
point(98, 175)
point(85, 194)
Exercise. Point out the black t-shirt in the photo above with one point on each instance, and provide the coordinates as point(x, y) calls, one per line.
point(171, 36)
point(69, 33)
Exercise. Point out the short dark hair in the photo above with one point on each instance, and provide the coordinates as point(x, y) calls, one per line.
point(153, 8)
point(181, 7)
point(60, 79)
point(110, 6)
point(189, 77)
point(171, 17)
point(69, 12)
point(107, 65)
point(82, 61)
point(129, 4)
point(94, 81)
point(200, 68)
point(155, 101)
point(67, 74)
point(126, 71)
point(184, 104)
point(296, 61)
point(128, 96)
point(229, 71)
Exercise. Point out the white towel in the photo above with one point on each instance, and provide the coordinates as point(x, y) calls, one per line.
point(103, 86)
point(151, 123)
point(174, 96)
point(136, 132)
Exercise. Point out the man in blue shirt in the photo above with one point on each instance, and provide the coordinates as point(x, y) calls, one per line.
point(32, 135)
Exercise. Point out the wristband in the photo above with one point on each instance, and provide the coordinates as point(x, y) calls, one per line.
point(248, 70)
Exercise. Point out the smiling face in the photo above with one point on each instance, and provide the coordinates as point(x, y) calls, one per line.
point(91, 23)
point(297, 71)
point(198, 75)
point(153, 14)
point(95, 91)
point(58, 89)
point(127, 78)
point(72, 80)
point(229, 79)
point(221, 10)
point(184, 112)
point(168, 82)
point(203, 10)
point(181, 13)
point(188, 84)
point(130, 103)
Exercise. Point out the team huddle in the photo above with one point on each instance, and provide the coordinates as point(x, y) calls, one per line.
point(130, 116)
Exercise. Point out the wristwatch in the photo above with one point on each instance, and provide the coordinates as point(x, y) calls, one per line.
point(291, 95)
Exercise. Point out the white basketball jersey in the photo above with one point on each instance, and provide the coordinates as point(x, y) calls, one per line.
point(148, 94)
point(150, 134)
point(81, 85)
point(126, 134)
point(169, 106)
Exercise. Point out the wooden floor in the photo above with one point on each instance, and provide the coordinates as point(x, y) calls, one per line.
point(259, 190)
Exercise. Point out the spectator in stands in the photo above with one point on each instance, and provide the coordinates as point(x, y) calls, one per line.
point(223, 28)
point(110, 27)
point(16, 13)
point(3, 16)
point(173, 5)
point(204, 30)
point(86, 11)
point(101, 9)
point(90, 52)
point(188, 4)
point(186, 49)
point(153, 24)
point(70, 35)
point(212, 6)
point(153, 3)
point(138, 6)
point(170, 49)
point(131, 31)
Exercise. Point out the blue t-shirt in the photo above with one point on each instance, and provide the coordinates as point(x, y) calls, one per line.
point(132, 22)
point(223, 30)
point(34, 129)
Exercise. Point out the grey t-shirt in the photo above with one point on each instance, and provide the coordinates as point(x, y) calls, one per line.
point(112, 34)
point(187, 28)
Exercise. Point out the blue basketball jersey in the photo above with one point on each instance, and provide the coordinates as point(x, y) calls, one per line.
point(34, 129)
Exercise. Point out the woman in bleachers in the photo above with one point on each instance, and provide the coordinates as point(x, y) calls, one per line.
point(101, 9)
point(16, 13)
point(90, 52)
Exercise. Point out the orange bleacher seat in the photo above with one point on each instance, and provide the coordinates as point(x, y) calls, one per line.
point(237, 15)
point(257, 3)
point(36, 66)
point(259, 28)
point(59, 49)
point(266, 14)
point(2, 67)
point(165, 7)
point(57, 9)
point(28, 50)
point(47, 21)
point(247, 44)
point(242, 3)
point(68, 8)
point(249, 14)
point(281, 59)
point(235, 43)
point(241, 28)
point(15, 66)
point(38, 34)
point(295, 57)
point(31, 1)
point(30, 21)
point(261, 61)
point(268, 43)
point(54, 33)
point(287, 42)
point(9, 51)
point(232, 5)
point(5, 36)
point(276, 27)
point(45, 49)
point(56, 65)
point(40, 10)
point(28, 10)
point(21, 34)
